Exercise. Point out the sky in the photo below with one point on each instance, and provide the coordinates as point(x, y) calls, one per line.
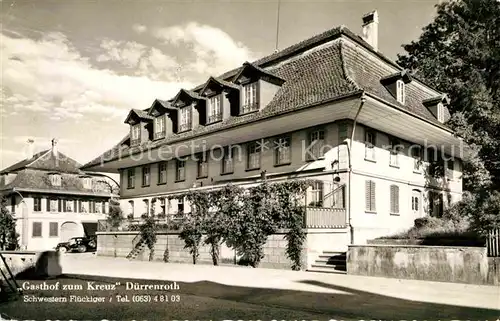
point(73, 69)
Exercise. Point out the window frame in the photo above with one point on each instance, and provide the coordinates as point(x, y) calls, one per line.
point(40, 224)
point(400, 91)
point(440, 112)
point(227, 158)
point(416, 154)
point(251, 104)
point(135, 129)
point(316, 152)
point(35, 201)
point(55, 180)
point(278, 141)
point(159, 127)
point(318, 194)
point(185, 118)
point(254, 155)
point(214, 112)
point(180, 201)
point(370, 144)
point(131, 208)
point(146, 176)
point(394, 142)
point(202, 166)
point(162, 179)
point(131, 178)
point(178, 177)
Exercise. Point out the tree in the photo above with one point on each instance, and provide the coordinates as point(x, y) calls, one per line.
point(459, 53)
point(8, 235)
point(115, 215)
point(114, 218)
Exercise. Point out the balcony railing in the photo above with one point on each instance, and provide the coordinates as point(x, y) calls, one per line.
point(316, 217)
point(184, 127)
point(322, 217)
point(249, 108)
point(159, 135)
point(214, 118)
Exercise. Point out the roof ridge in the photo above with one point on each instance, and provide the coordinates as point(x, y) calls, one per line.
point(344, 67)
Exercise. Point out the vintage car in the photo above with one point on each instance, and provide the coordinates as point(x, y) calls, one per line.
point(78, 244)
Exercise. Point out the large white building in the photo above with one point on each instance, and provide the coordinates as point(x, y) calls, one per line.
point(52, 200)
point(332, 108)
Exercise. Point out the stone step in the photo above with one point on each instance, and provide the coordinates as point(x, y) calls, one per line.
point(333, 253)
point(323, 269)
point(330, 261)
point(341, 267)
point(333, 257)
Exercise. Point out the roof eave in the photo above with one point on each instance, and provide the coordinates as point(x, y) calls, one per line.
point(409, 113)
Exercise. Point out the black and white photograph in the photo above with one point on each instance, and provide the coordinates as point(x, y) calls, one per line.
point(249, 160)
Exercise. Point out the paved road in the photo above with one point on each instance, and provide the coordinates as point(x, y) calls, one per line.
point(225, 292)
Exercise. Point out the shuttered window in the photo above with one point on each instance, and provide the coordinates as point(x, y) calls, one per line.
point(53, 229)
point(394, 195)
point(37, 229)
point(370, 196)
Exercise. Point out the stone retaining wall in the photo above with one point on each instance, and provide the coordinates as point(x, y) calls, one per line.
point(431, 263)
point(120, 244)
point(19, 261)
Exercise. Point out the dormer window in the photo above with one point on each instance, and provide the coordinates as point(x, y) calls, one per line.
point(437, 106)
point(396, 83)
point(214, 109)
point(185, 119)
point(250, 102)
point(87, 183)
point(159, 127)
point(55, 179)
point(135, 135)
point(400, 91)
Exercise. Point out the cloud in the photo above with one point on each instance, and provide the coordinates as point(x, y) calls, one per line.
point(139, 28)
point(212, 50)
point(50, 76)
point(143, 61)
point(127, 53)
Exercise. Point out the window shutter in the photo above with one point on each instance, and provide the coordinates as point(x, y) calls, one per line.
point(48, 204)
point(59, 205)
point(395, 199)
point(372, 196)
point(367, 195)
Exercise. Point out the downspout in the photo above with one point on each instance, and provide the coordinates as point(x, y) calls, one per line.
point(349, 146)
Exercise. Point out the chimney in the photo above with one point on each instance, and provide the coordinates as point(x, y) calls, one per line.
point(54, 146)
point(370, 29)
point(30, 149)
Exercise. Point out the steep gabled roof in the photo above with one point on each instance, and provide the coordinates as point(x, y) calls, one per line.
point(248, 67)
point(221, 83)
point(161, 106)
point(183, 93)
point(138, 113)
point(47, 161)
point(328, 66)
point(22, 164)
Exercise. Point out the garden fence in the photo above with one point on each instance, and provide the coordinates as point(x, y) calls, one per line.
point(493, 243)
